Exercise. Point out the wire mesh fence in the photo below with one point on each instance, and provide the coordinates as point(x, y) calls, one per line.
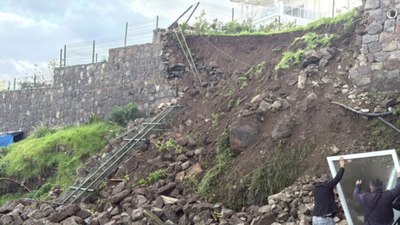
point(138, 32)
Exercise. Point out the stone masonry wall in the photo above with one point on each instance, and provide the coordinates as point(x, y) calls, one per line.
point(378, 66)
point(132, 74)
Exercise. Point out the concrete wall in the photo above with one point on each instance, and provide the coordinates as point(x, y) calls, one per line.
point(132, 74)
point(378, 66)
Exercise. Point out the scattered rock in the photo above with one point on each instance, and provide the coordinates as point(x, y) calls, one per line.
point(281, 130)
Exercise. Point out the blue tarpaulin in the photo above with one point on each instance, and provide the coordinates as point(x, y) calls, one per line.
point(6, 140)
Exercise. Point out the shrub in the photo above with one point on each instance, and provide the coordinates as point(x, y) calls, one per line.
point(42, 131)
point(122, 114)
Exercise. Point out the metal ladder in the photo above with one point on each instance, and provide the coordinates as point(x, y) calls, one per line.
point(109, 165)
point(180, 36)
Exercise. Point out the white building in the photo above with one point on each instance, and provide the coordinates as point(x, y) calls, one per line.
point(299, 11)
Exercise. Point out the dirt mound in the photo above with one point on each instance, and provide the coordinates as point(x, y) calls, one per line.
point(296, 105)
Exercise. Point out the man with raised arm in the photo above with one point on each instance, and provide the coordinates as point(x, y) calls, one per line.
point(325, 207)
point(377, 203)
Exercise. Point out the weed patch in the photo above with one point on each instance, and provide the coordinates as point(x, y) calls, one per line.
point(309, 41)
point(153, 177)
point(223, 159)
point(280, 171)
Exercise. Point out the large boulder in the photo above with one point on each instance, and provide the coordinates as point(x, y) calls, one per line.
point(242, 134)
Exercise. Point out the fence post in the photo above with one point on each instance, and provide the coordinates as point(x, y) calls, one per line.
point(96, 57)
point(9, 85)
point(65, 55)
point(15, 82)
point(94, 50)
point(157, 23)
point(34, 81)
point(233, 14)
point(126, 33)
point(61, 53)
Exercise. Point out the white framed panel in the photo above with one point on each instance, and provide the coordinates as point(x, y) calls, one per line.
point(363, 166)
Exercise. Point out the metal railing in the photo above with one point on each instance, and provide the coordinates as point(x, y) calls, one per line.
point(285, 14)
point(114, 159)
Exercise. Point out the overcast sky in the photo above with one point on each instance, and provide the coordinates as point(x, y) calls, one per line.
point(33, 31)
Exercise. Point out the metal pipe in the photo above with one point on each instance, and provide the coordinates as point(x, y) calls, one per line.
point(176, 21)
point(389, 124)
point(61, 53)
point(126, 34)
point(94, 50)
point(65, 56)
point(157, 22)
point(191, 14)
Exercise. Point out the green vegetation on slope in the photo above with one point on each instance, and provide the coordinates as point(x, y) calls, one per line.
point(310, 41)
point(52, 159)
point(203, 27)
point(224, 156)
point(277, 173)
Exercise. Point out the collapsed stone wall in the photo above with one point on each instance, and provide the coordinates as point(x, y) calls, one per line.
point(377, 68)
point(132, 74)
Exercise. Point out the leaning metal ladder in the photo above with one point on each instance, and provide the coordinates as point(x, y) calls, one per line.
point(109, 165)
point(186, 51)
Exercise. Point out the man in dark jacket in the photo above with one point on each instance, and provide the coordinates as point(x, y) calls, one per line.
point(377, 203)
point(325, 207)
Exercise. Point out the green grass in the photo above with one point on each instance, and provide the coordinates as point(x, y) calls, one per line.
point(349, 19)
point(289, 59)
point(310, 41)
point(153, 177)
point(383, 136)
point(223, 159)
point(278, 172)
point(53, 158)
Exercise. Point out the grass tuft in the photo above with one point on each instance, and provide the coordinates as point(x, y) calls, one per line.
point(224, 157)
point(280, 171)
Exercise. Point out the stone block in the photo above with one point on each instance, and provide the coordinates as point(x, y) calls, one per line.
point(370, 57)
point(364, 49)
point(363, 70)
point(389, 25)
point(374, 28)
point(377, 66)
point(372, 4)
point(391, 46)
point(381, 56)
point(395, 55)
point(386, 37)
point(370, 38)
point(393, 75)
point(362, 81)
point(392, 64)
point(374, 47)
